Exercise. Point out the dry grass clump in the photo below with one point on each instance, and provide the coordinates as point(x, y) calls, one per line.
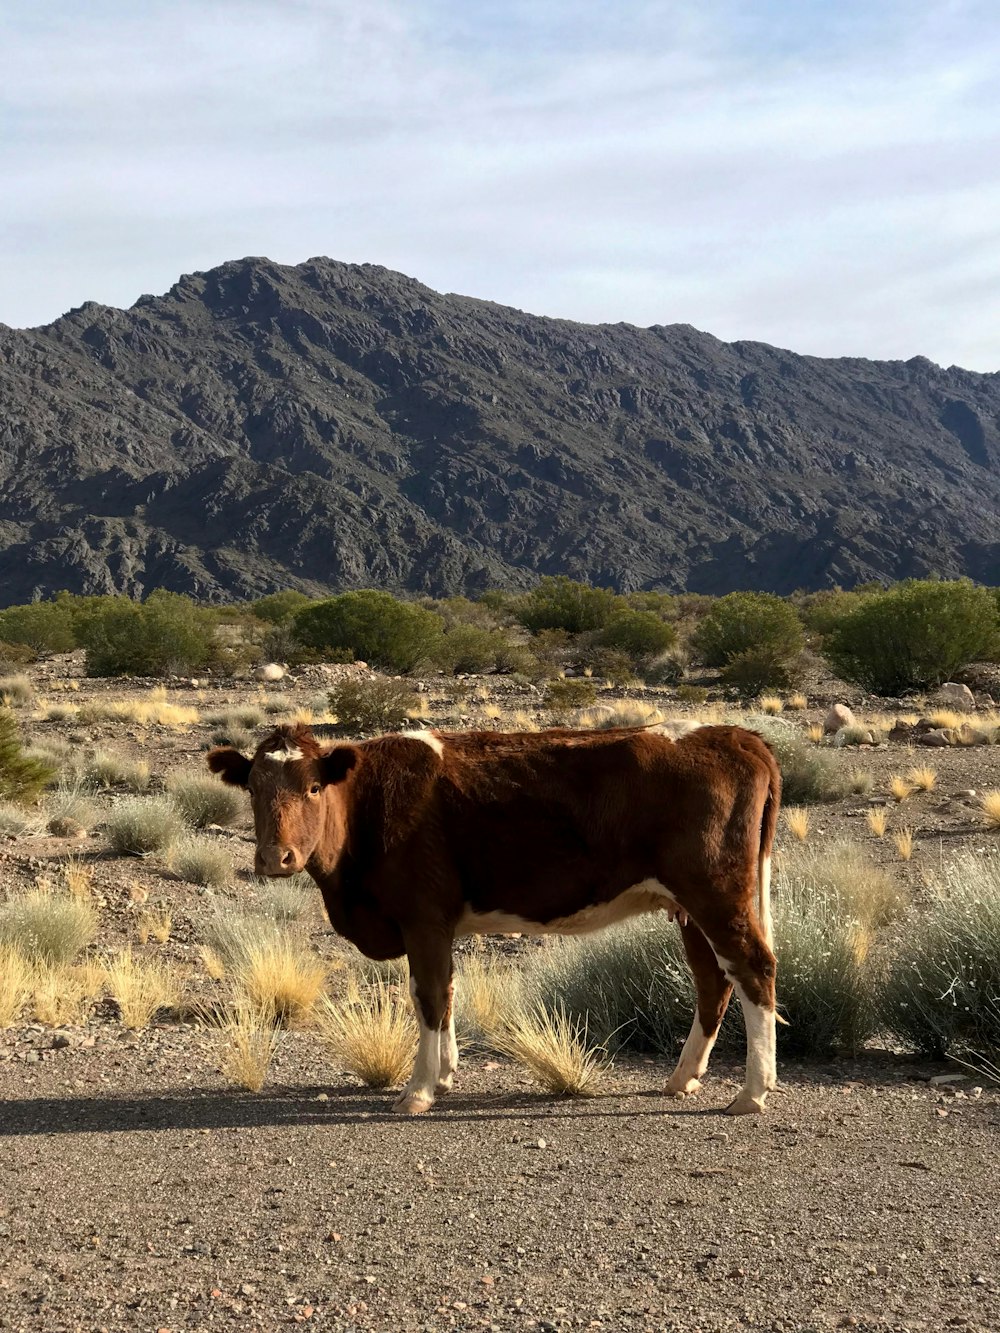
point(484, 992)
point(55, 712)
point(797, 702)
point(771, 704)
point(157, 708)
point(522, 721)
point(899, 789)
point(14, 819)
point(141, 987)
point(201, 861)
point(155, 922)
point(797, 821)
point(251, 1040)
point(991, 808)
point(860, 782)
point(204, 800)
point(56, 997)
point(285, 901)
point(904, 843)
point(45, 926)
point(552, 1046)
point(15, 984)
point(270, 966)
point(140, 826)
point(16, 691)
point(922, 778)
point(844, 874)
point(815, 732)
point(68, 811)
point(248, 718)
point(878, 820)
point(274, 705)
point(238, 737)
point(859, 734)
point(620, 713)
point(78, 877)
point(107, 768)
point(945, 719)
point(372, 1034)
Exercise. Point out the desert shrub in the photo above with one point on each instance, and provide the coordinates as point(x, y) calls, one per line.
point(285, 901)
point(14, 655)
point(809, 775)
point(692, 694)
point(202, 861)
point(609, 664)
point(749, 622)
point(942, 990)
point(14, 819)
point(45, 627)
point(238, 737)
point(141, 825)
point(280, 607)
point(558, 603)
point(374, 626)
point(46, 926)
point(844, 873)
point(667, 669)
point(468, 649)
point(22, 776)
point(638, 633)
point(68, 810)
point(377, 705)
point(914, 636)
point(823, 611)
point(564, 696)
point(166, 633)
point(620, 713)
point(16, 691)
point(373, 1034)
point(204, 800)
point(249, 717)
point(758, 669)
point(107, 768)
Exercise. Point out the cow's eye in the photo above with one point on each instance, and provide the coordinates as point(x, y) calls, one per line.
point(315, 789)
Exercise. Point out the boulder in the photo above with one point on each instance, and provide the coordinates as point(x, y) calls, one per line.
point(958, 697)
point(839, 716)
point(936, 737)
point(270, 672)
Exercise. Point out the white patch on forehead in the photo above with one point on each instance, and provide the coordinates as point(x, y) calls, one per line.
point(435, 742)
point(284, 756)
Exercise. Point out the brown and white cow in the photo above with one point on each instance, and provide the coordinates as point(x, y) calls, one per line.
point(417, 838)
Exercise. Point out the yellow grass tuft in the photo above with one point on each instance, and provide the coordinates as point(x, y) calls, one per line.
point(214, 965)
point(947, 719)
point(770, 704)
point(904, 843)
point(878, 820)
point(815, 732)
point(900, 789)
point(797, 702)
point(251, 1039)
point(278, 974)
point(78, 877)
point(374, 1035)
point(484, 993)
point(57, 997)
point(157, 923)
point(140, 987)
point(552, 1047)
point(922, 778)
point(991, 808)
point(797, 821)
point(522, 721)
point(15, 985)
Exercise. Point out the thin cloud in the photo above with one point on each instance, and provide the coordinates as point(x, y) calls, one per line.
point(822, 177)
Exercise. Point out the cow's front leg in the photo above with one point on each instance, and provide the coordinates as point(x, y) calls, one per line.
point(449, 1044)
point(431, 989)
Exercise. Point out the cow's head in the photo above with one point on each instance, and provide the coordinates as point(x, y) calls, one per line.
point(292, 782)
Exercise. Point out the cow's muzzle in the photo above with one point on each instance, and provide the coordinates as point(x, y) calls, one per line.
point(278, 861)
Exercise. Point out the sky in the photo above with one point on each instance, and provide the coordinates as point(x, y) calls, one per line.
point(819, 174)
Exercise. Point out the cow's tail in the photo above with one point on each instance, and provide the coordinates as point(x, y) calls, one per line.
point(768, 826)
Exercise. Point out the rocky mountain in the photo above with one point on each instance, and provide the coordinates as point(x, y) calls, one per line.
point(328, 426)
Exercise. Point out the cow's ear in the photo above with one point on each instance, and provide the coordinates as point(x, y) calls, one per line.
point(233, 767)
point(335, 765)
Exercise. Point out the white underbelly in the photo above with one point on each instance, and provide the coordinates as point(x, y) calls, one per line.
point(649, 896)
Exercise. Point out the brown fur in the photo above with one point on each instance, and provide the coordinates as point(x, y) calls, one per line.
point(403, 843)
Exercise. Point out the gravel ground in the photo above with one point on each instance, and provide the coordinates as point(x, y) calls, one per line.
point(138, 1192)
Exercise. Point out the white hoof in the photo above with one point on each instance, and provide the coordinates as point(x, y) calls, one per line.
point(413, 1103)
point(746, 1105)
point(681, 1087)
point(444, 1084)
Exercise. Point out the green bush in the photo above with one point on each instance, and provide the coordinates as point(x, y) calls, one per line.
point(758, 669)
point(469, 650)
point(914, 636)
point(373, 706)
point(748, 622)
point(563, 696)
point(167, 633)
point(46, 627)
point(809, 775)
point(942, 990)
point(560, 603)
point(637, 633)
point(610, 664)
point(22, 776)
point(374, 626)
point(279, 607)
point(823, 611)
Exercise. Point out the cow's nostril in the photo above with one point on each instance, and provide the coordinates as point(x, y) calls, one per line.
point(287, 858)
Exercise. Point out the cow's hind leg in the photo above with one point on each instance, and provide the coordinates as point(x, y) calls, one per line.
point(745, 958)
point(713, 990)
point(431, 989)
point(448, 1045)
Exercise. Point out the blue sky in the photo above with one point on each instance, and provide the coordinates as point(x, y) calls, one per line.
point(824, 176)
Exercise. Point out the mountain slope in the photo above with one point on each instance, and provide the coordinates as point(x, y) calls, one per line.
point(328, 426)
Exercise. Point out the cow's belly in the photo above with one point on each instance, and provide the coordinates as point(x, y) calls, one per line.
point(649, 896)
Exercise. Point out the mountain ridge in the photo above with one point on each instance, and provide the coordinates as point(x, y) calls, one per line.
point(327, 425)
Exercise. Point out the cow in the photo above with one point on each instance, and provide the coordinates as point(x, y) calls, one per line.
point(417, 838)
